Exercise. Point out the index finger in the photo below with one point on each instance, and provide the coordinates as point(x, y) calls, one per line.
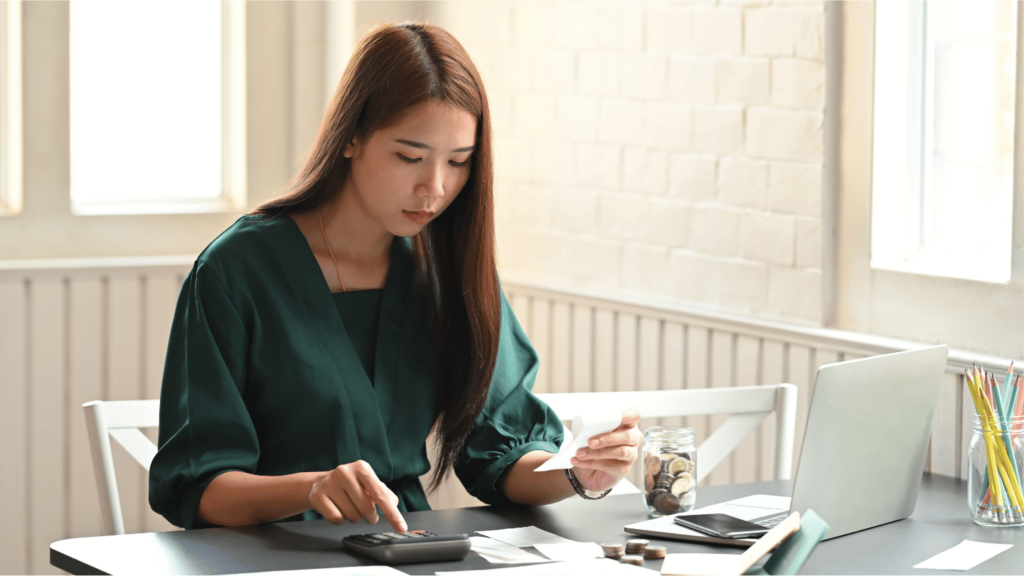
point(382, 496)
point(630, 417)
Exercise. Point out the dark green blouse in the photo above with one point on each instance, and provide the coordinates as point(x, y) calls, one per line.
point(263, 376)
point(360, 313)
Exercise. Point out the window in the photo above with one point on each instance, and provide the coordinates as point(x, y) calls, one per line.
point(157, 106)
point(10, 108)
point(942, 193)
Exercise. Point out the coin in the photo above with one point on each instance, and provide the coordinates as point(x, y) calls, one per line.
point(634, 560)
point(677, 466)
point(636, 546)
point(687, 502)
point(655, 552)
point(653, 464)
point(667, 503)
point(613, 551)
point(682, 484)
point(653, 495)
point(649, 482)
point(664, 480)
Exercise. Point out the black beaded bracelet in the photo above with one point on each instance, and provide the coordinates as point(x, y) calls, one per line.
point(579, 487)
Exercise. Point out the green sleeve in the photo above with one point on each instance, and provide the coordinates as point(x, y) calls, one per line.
point(513, 421)
point(205, 428)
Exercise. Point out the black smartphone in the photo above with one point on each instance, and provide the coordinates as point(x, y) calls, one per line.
point(721, 525)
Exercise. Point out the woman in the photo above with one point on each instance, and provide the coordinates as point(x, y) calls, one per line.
point(315, 346)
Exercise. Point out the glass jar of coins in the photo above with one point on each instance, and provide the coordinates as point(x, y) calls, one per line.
point(670, 470)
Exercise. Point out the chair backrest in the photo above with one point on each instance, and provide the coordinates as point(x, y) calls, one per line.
point(120, 420)
point(747, 406)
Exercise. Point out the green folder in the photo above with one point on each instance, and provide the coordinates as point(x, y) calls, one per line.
point(790, 556)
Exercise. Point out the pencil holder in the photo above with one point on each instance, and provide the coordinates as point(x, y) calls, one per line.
point(670, 470)
point(996, 460)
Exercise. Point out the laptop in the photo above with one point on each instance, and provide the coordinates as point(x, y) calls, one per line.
point(864, 445)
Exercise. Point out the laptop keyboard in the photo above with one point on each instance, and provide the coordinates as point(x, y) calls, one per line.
point(771, 520)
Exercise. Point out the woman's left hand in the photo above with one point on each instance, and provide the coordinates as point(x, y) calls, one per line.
point(608, 456)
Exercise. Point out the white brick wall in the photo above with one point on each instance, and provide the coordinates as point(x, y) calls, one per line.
point(668, 149)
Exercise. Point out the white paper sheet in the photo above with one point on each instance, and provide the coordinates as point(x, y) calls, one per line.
point(584, 427)
point(524, 537)
point(569, 552)
point(345, 571)
point(701, 564)
point(603, 567)
point(497, 552)
point(964, 556)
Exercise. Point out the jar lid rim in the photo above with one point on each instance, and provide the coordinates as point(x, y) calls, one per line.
point(669, 431)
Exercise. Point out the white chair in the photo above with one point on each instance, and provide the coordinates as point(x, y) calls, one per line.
point(747, 406)
point(121, 421)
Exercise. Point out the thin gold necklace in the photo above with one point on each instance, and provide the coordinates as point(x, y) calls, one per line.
point(329, 250)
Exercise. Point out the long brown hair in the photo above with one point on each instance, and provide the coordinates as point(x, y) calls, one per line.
point(394, 68)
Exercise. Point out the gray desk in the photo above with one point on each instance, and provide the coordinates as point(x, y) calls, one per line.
point(940, 522)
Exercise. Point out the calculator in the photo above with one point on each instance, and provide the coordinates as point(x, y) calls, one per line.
point(410, 547)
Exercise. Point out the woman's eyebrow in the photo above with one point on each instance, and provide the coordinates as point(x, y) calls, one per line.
point(428, 147)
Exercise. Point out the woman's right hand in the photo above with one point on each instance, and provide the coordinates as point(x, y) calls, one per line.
point(350, 491)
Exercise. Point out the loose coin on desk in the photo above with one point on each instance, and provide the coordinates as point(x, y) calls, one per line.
point(636, 546)
point(632, 559)
point(613, 551)
point(655, 552)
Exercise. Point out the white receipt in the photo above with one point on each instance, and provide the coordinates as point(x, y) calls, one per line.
point(573, 551)
point(497, 552)
point(340, 571)
point(584, 427)
point(602, 566)
point(524, 537)
point(964, 556)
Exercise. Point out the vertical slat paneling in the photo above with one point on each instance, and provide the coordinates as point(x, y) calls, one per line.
point(582, 349)
point(721, 369)
point(521, 308)
point(697, 349)
point(672, 376)
point(966, 423)
point(799, 369)
point(944, 444)
point(14, 481)
point(745, 461)
point(48, 419)
point(159, 299)
point(772, 372)
point(85, 379)
point(124, 353)
point(649, 355)
point(561, 347)
point(539, 332)
point(604, 351)
point(626, 342)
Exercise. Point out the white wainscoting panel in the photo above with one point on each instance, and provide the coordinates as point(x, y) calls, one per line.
point(81, 330)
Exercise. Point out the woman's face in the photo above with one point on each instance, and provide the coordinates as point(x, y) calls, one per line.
point(405, 175)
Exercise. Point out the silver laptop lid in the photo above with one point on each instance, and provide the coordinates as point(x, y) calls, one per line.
point(866, 437)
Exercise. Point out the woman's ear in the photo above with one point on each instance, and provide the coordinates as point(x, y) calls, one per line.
point(351, 147)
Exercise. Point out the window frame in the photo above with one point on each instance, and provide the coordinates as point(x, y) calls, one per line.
point(903, 127)
point(11, 153)
point(967, 314)
point(233, 135)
